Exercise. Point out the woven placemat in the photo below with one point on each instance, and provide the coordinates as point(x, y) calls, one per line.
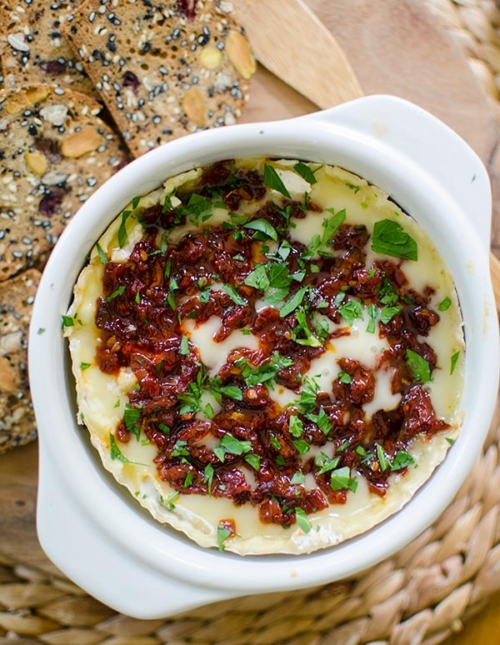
point(418, 597)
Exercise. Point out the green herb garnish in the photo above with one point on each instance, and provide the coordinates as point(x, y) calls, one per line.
point(402, 459)
point(274, 181)
point(117, 292)
point(390, 238)
point(305, 172)
point(169, 502)
point(341, 479)
point(302, 520)
point(419, 366)
point(234, 295)
point(261, 225)
point(444, 304)
point(351, 310)
point(293, 302)
point(372, 315)
point(454, 361)
point(253, 460)
point(388, 313)
point(296, 427)
point(102, 256)
point(122, 231)
point(208, 477)
point(223, 533)
point(184, 346)
point(67, 321)
point(117, 455)
point(325, 463)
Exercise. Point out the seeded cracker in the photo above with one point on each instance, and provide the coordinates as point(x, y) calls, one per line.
point(54, 152)
point(164, 69)
point(33, 49)
point(17, 420)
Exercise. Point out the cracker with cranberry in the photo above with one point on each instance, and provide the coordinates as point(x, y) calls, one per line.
point(33, 49)
point(164, 70)
point(55, 151)
point(17, 420)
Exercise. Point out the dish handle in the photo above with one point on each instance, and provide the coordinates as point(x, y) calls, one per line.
point(91, 560)
point(427, 141)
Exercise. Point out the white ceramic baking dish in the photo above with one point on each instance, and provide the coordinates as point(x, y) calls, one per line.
point(88, 526)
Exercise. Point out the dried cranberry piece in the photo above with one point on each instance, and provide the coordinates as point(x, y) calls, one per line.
point(130, 80)
point(55, 67)
point(188, 8)
point(51, 202)
point(48, 147)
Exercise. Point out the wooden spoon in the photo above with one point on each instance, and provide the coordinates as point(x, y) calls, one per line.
point(276, 30)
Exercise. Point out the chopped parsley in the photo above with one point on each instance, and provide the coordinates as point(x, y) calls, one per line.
point(117, 455)
point(253, 460)
point(122, 231)
point(390, 238)
point(302, 520)
point(131, 418)
point(388, 313)
point(263, 228)
point(264, 373)
point(454, 361)
point(234, 295)
point(419, 366)
point(351, 310)
point(117, 292)
point(230, 445)
point(223, 533)
point(273, 180)
point(293, 303)
point(102, 256)
point(208, 477)
point(341, 479)
point(444, 304)
point(184, 346)
point(198, 209)
point(325, 463)
point(169, 502)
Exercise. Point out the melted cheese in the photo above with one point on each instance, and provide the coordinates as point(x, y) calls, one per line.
point(102, 397)
point(214, 355)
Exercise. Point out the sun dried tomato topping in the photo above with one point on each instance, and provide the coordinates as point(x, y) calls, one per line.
point(252, 450)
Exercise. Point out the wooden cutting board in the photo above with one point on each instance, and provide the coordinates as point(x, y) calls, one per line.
point(395, 47)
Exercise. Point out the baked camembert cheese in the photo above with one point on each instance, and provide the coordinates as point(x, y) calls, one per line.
point(268, 354)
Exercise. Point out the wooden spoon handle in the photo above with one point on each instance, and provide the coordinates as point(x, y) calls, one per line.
point(286, 37)
point(495, 278)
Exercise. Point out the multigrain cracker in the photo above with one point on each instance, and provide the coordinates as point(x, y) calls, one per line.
point(55, 151)
point(33, 49)
point(17, 420)
point(164, 69)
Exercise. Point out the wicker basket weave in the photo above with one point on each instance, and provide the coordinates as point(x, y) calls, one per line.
point(418, 597)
